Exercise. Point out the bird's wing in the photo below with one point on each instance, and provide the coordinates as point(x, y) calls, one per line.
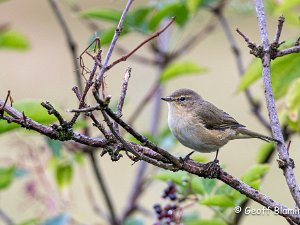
point(215, 118)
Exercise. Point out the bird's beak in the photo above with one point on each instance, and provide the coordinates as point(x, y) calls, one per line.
point(167, 99)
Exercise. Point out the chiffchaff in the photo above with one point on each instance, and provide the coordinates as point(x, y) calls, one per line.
point(200, 125)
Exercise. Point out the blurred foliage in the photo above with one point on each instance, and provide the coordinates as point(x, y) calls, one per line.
point(10, 39)
point(285, 77)
point(62, 163)
point(30, 222)
point(180, 69)
point(7, 175)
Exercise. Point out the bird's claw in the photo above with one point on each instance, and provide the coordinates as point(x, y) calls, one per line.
point(186, 158)
point(212, 169)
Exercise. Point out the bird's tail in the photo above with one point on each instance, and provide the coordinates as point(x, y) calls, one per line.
point(245, 133)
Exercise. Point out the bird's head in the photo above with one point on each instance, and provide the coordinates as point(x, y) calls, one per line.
point(183, 99)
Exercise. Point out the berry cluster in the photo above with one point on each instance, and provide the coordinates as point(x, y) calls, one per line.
point(169, 214)
point(170, 191)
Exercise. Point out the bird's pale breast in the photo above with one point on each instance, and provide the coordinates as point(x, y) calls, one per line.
point(191, 133)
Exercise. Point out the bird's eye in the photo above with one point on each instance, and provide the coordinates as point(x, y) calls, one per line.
point(181, 99)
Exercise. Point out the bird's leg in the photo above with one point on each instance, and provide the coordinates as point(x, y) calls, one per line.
point(216, 157)
point(186, 158)
point(213, 168)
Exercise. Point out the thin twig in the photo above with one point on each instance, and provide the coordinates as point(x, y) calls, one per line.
point(255, 107)
point(5, 218)
point(295, 49)
point(279, 29)
point(17, 117)
point(251, 44)
point(104, 189)
point(92, 116)
point(52, 110)
point(69, 39)
point(128, 147)
point(6, 99)
point(112, 45)
point(122, 95)
point(287, 163)
point(87, 109)
point(137, 135)
point(88, 85)
point(156, 34)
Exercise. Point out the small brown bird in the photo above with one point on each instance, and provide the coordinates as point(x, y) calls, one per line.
point(201, 126)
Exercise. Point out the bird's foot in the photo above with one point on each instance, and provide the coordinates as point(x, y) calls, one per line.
point(186, 158)
point(212, 169)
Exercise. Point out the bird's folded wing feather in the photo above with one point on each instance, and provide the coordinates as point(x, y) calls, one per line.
point(215, 118)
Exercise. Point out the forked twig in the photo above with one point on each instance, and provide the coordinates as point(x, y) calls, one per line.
point(156, 34)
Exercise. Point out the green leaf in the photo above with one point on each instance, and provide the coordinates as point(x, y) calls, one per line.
point(209, 184)
point(206, 222)
point(79, 157)
point(136, 20)
point(33, 110)
point(255, 184)
point(179, 177)
point(177, 9)
point(199, 158)
point(55, 147)
point(64, 174)
point(224, 189)
point(254, 173)
point(218, 200)
point(252, 73)
point(293, 96)
point(264, 152)
point(284, 70)
point(197, 185)
point(6, 176)
point(193, 5)
point(13, 40)
point(180, 69)
point(102, 14)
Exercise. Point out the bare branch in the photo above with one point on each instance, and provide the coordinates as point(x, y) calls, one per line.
point(251, 44)
point(52, 110)
point(295, 49)
point(279, 29)
point(255, 107)
point(88, 85)
point(5, 218)
point(69, 38)
point(122, 95)
point(287, 163)
point(104, 189)
point(138, 136)
point(17, 117)
point(156, 34)
point(5, 102)
point(112, 45)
